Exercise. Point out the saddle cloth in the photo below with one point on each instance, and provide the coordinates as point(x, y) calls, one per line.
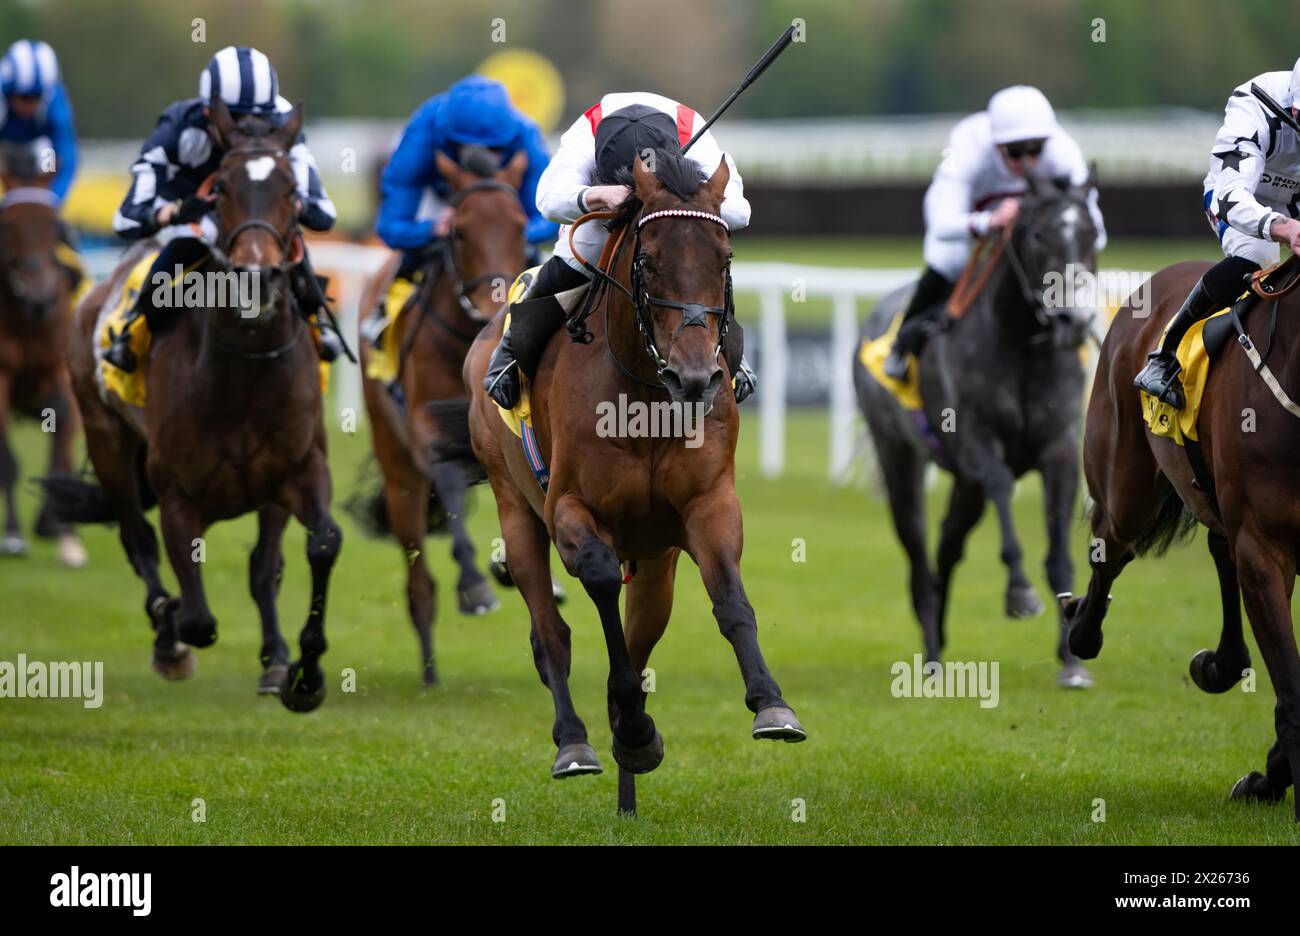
point(1194, 358)
point(379, 330)
point(872, 354)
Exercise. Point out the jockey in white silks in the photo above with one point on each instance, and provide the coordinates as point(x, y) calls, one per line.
point(1252, 200)
point(976, 189)
point(589, 173)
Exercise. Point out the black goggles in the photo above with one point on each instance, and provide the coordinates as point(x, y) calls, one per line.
point(1024, 148)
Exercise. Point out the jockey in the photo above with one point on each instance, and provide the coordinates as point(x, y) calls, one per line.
point(35, 112)
point(180, 154)
point(600, 146)
point(976, 189)
point(473, 112)
point(1251, 202)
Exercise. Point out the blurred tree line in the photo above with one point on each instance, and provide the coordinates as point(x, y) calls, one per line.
point(125, 59)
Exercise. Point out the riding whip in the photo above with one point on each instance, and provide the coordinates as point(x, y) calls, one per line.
point(768, 58)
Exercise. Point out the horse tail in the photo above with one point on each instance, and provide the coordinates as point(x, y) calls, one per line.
point(368, 507)
point(78, 500)
point(451, 438)
point(1174, 524)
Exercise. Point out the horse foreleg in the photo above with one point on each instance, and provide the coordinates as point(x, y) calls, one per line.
point(12, 544)
point(528, 549)
point(265, 570)
point(965, 507)
point(183, 537)
point(304, 686)
point(62, 436)
point(714, 539)
point(1268, 579)
point(649, 605)
point(1059, 467)
point(1219, 670)
point(589, 556)
point(473, 593)
point(406, 496)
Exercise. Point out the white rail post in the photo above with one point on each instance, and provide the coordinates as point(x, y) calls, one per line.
point(844, 335)
point(772, 411)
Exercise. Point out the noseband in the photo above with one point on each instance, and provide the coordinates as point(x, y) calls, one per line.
point(283, 240)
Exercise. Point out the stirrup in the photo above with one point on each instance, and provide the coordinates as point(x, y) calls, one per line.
point(896, 364)
point(119, 352)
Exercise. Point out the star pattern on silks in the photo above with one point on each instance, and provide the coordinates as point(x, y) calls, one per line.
point(1226, 205)
point(1231, 159)
point(1274, 127)
point(1253, 138)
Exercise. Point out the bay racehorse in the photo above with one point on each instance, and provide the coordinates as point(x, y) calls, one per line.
point(1146, 496)
point(458, 294)
point(1002, 389)
point(232, 421)
point(613, 501)
point(35, 312)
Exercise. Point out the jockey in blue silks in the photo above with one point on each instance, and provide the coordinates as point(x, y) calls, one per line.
point(34, 108)
point(475, 111)
point(35, 112)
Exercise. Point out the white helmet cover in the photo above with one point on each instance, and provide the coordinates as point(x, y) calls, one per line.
point(1021, 113)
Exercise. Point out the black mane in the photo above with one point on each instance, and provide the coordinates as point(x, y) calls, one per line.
point(676, 172)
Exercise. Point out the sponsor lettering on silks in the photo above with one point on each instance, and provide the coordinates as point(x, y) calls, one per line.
point(76, 889)
point(56, 680)
point(638, 419)
point(950, 680)
point(214, 289)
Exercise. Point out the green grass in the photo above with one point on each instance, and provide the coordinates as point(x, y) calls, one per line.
point(1145, 255)
point(392, 763)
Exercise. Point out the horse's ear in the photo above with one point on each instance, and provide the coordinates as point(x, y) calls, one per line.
point(1092, 176)
point(513, 173)
point(1035, 184)
point(647, 183)
point(292, 127)
point(222, 123)
point(717, 184)
point(448, 169)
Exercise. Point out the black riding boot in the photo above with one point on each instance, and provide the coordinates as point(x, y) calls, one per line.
point(932, 289)
point(1160, 376)
point(185, 252)
point(310, 297)
point(119, 352)
point(502, 378)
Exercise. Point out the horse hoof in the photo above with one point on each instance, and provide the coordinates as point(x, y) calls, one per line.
point(639, 760)
point(197, 633)
point(558, 592)
point(778, 723)
point(297, 695)
point(1207, 675)
point(1023, 602)
point(575, 760)
point(71, 553)
point(477, 599)
point(175, 665)
point(1074, 676)
point(430, 678)
point(1254, 788)
point(501, 573)
point(13, 545)
point(272, 679)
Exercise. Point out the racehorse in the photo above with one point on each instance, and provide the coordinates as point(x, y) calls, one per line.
point(1146, 496)
point(232, 421)
point(456, 297)
point(1002, 388)
point(35, 299)
point(665, 304)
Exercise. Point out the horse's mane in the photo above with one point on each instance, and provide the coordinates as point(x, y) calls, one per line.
point(480, 160)
point(678, 173)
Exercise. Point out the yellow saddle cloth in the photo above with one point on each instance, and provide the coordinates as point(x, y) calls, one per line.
point(522, 414)
point(872, 354)
point(130, 388)
point(383, 332)
point(1161, 418)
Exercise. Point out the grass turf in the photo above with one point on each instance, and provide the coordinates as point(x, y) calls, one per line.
point(391, 763)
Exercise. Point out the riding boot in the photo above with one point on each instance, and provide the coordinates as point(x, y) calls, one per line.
point(119, 352)
point(932, 289)
point(502, 378)
point(1160, 376)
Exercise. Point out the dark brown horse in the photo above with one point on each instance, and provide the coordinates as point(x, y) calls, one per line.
point(458, 295)
point(1145, 496)
point(232, 422)
point(613, 500)
point(35, 312)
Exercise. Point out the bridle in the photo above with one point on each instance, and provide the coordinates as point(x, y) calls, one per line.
point(693, 313)
point(460, 287)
